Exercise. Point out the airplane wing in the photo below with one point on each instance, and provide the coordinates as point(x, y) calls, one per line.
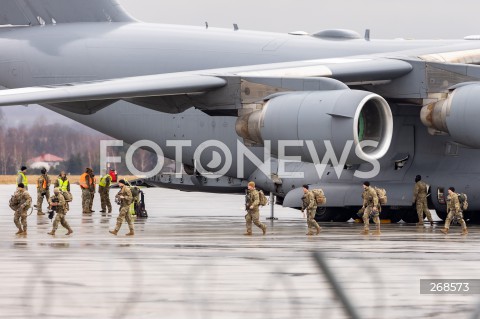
point(185, 83)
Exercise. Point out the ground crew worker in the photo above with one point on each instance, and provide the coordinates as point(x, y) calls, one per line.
point(22, 177)
point(370, 207)
point(24, 200)
point(86, 185)
point(420, 192)
point(454, 212)
point(125, 198)
point(63, 184)
point(92, 190)
point(310, 204)
point(57, 203)
point(43, 189)
point(252, 202)
point(104, 191)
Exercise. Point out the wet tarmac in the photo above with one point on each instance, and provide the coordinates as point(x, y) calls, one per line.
point(189, 259)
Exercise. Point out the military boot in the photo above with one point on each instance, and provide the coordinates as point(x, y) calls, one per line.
point(310, 233)
point(114, 232)
point(248, 233)
point(318, 230)
point(19, 232)
point(431, 223)
point(70, 231)
point(131, 233)
point(445, 230)
point(464, 231)
point(52, 233)
point(24, 231)
point(40, 213)
point(377, 232)
point(264, 229)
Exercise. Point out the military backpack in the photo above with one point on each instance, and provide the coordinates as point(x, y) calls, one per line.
point(463, 200)
point(14, 203)
point(382, 195)
point(319, 196)
point(262, 198)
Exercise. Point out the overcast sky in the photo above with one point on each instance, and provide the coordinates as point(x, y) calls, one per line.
point(386, 18)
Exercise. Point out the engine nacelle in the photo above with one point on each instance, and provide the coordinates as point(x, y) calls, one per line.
point(458, 115)
point(338, 117)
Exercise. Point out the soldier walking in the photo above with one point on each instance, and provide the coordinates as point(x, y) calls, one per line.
point(63, 184)
point(420, 192)
point(310, 204)
point(125, 198)
point(43, 189)
point(22, 202)
point(252, 202)
point(57, 203)
point(370, 207)
point(92, 190)
point(454, 212)
point(86, 185)
point(104, 191)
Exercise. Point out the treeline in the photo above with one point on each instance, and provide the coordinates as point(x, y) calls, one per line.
point(79, 146)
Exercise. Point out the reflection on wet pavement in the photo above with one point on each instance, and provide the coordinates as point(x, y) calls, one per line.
point(189, 259)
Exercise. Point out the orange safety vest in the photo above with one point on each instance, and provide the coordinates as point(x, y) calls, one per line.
point(44, 183)
point(83, 180)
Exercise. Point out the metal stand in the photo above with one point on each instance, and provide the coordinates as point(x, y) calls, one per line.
point(272, 207)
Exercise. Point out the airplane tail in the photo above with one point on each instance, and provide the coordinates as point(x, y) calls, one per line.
point(41, 12)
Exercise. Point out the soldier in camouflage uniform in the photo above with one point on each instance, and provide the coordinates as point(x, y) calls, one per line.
point(43, 189)
point(57, 202)
point(454, 212)
point(370, 207)
point(420, 192)
point(92, 190)
point(252, 203)
point(310, 204)
point(104, 191)
point(86, 184)
point(125, 198)
point(24, 200)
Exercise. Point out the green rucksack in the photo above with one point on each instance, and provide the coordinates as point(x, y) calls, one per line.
point(262, 198)
point(463, 200)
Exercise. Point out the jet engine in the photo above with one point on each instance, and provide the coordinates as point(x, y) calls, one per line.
point(329, 120)
point(457, 115)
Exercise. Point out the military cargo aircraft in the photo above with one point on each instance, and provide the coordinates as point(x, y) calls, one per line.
point(329, 109)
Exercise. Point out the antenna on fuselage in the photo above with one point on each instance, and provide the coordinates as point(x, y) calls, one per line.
point(235, 27)
point(206, 25)
point(367, 35)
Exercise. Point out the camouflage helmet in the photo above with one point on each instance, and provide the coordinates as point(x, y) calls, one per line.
point(56, 190)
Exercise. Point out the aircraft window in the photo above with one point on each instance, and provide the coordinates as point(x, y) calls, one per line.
point(399, 164)
point(441, 195)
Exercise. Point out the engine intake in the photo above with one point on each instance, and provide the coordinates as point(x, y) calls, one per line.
point(337, 116)
point(457, 115)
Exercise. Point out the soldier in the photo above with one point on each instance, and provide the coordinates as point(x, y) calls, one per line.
point(22, 178)
point(370, 207)
point(57, 203)
point(43, 189)
point(92, 190)
point(420, 198)
point(104, 190)
point(252, 203)
point(86, 185)
point(24, 202)
point(125, 198)
point(63, 184)
point(310, 204)
point(454, 212)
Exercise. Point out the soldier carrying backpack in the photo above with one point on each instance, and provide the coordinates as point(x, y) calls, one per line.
point(310, 203)
point(252, 202)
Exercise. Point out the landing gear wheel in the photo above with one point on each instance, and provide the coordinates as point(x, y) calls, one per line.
point(393, 215)
point(324, 214)
point(342, 214)
point(442, 215)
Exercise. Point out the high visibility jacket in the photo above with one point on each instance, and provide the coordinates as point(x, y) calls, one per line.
point(24, 179)
point(63, 185)
point(45, 182)
point(105, 180)
point(83, 180)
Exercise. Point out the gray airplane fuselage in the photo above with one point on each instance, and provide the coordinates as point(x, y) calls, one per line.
point(66, 53)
